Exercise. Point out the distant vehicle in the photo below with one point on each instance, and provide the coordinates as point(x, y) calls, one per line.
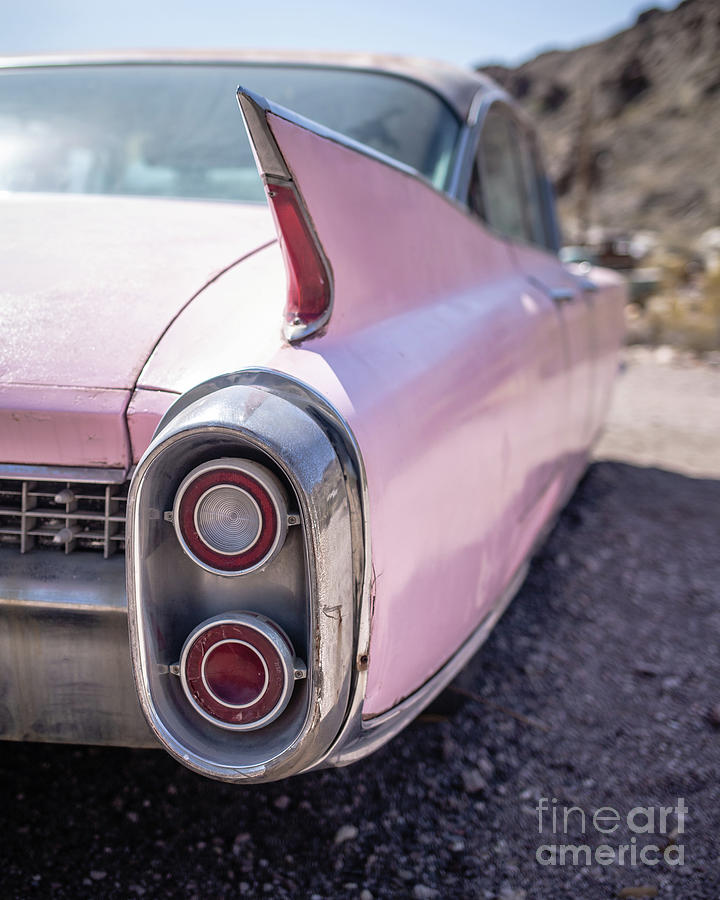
point(615, 254)
point(296, 409)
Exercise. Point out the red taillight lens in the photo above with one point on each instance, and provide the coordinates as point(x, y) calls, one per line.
point(309, 287)
point(238, 670)
point(230, 516)
point(235, 673)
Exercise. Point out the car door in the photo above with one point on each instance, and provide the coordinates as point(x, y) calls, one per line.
point(541, 439)
point(535, 247)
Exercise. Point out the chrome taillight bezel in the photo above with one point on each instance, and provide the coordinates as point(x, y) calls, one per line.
point(267, 635)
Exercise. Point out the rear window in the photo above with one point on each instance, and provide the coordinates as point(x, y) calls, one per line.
point(176, 130)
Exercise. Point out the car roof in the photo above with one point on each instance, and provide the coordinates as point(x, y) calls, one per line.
point(456, 85)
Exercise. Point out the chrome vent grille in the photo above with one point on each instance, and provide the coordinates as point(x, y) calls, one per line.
point(67, 515)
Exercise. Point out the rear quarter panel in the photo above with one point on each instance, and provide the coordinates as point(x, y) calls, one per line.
point(429, 354)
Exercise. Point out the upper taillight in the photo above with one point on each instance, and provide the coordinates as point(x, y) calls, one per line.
point(309, 283)
point(230, 516)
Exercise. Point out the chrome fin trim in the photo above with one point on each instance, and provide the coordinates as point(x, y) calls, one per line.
point(259, 106)
point(273, 170)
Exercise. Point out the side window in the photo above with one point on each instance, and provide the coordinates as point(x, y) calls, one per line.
point(551, 233)
point(498, 178)
point(508, 187)
point(532, 188)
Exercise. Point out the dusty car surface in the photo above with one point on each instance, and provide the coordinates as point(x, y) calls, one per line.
point(292, 407)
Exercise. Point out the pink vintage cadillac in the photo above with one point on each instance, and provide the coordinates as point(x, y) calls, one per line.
point(291, 411)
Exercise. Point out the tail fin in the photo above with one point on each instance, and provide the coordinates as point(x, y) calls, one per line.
point(310, 287)
point(354, 221)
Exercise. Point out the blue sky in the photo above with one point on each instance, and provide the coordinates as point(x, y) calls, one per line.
point(461, 31)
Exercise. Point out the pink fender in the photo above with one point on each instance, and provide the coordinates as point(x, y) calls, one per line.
point(452, 375)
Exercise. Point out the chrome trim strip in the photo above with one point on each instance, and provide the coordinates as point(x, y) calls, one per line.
point(48, 579)
point(269, 159)
point(459, 179)
point(456, 176)
point(64, 473)
point(247, 97)
point(473, 126)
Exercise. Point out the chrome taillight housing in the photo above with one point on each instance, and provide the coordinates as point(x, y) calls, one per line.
point(227, 696)
point(238, 670)
point(230, 516)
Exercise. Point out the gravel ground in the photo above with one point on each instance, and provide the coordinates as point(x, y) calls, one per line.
point(596, 689)
point(666, 413)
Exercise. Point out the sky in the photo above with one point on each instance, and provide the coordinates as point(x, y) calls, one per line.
point(460, 31)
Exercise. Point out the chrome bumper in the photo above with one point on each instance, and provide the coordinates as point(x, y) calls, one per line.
point(65, 672)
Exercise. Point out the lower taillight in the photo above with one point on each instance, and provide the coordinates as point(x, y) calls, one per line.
point(238, 670)
point(230, 516)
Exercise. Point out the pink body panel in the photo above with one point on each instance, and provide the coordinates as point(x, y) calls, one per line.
point(236, 322)
point(89, 286)
point(452, 372)
point(143, 416)
point(68, 426)
point(91, 283)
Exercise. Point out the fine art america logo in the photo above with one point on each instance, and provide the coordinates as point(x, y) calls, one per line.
point(665, 823)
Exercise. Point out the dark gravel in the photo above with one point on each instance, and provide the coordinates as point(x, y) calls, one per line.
point(597, 688)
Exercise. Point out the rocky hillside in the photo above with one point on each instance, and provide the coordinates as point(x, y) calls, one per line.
point(637, 118)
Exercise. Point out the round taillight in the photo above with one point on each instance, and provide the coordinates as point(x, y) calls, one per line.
point(230, 516)
point(238, 670)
